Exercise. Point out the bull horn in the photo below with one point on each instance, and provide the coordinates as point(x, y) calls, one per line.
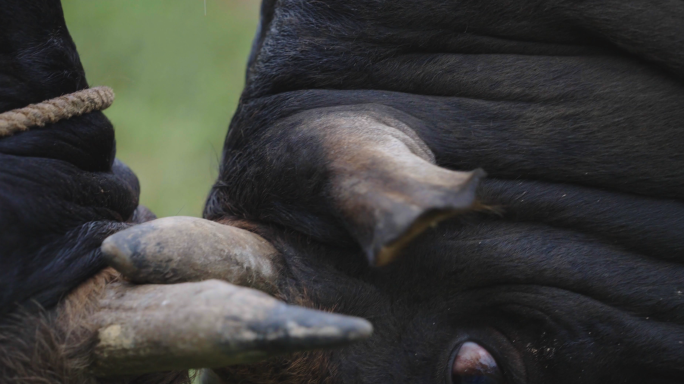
point(209, 324)
point(186, 249)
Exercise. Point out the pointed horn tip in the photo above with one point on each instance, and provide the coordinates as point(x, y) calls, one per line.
point(479, 173)
point(109, 248)
point(291, 328)
point(308, 328)
point(114, 255)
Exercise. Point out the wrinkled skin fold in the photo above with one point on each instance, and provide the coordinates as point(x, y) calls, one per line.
point(360, 118)
point(351, 182)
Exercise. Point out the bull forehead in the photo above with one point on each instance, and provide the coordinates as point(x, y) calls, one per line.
point(481, 252)
point(568, 303)
point(581, 285)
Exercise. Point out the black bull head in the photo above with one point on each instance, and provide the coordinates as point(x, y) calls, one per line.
point(362, 127)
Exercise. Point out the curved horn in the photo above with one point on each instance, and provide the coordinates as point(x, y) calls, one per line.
point(183, 249)
point(210, 324)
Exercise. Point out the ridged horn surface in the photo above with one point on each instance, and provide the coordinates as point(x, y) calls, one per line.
point(209, 324)
point(184, 249)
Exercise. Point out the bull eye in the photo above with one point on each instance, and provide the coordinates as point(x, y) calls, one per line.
point(475, 365)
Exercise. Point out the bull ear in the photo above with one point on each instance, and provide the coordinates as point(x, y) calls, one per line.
point(202, 324)
point(186, 249)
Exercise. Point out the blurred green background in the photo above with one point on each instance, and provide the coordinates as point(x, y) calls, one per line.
point(177, 75)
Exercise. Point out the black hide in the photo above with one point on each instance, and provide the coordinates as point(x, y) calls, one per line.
point(61, 189)
point(575, 109)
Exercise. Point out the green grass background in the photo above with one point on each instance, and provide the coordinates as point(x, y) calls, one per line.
point(177, 75)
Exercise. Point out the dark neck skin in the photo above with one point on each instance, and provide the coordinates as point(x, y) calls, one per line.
point(61, 191)
point(38, 59)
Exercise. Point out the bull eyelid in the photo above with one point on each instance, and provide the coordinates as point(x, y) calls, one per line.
point(494, 341)
point(492, 352)
point(513, 365)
